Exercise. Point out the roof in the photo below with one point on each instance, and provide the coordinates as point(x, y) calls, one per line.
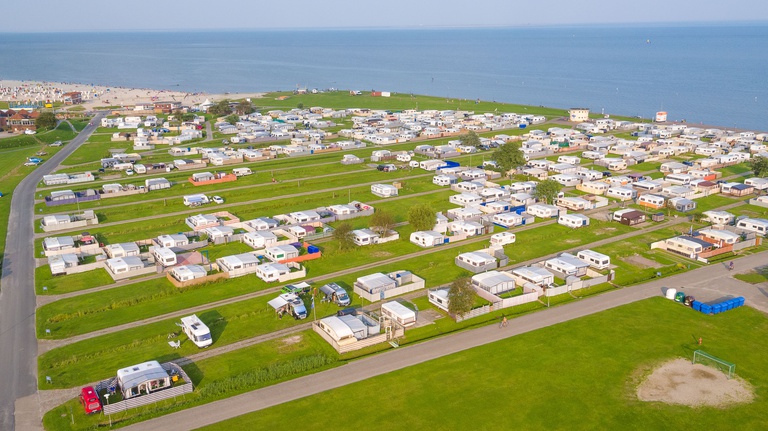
point(194, 323)
point(399, 309)
point(532, 272)
point(377, 280)
point(338, 326)
point(195, 271)
point(493, 278)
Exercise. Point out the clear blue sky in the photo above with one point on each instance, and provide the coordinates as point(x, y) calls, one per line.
point(136, 15)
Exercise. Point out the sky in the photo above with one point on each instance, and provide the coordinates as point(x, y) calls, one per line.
point(170, 15)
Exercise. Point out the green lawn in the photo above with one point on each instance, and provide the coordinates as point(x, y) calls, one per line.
point(580, 374)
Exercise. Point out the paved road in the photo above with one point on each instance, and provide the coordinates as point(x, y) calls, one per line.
point(18, 345)
point(709, 283)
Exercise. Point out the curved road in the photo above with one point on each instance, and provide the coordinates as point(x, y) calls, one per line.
point(18, 345)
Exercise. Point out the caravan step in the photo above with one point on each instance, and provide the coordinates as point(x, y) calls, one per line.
point(394, 344)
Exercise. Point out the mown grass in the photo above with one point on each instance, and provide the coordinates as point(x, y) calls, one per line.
point(573, 375)
point(59, 284)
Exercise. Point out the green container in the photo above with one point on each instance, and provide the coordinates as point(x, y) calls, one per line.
point(679, 297)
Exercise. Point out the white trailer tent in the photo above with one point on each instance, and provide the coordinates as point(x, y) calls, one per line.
point(384, 190)
point(494, 282)
point(718, 217)
point(197, 331)
point(427, 238)
point(533, 274)
point(573, 220)
point(173, 240)
point(594, 259)
point(188, 272)
point(756, 225)
point(502, 238)
point(399, 313)
point(164, 256)
point(542, 210)
point(260, 239)
point(567, 264)
point(142, 379)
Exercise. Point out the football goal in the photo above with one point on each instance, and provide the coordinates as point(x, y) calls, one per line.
point(702, 357)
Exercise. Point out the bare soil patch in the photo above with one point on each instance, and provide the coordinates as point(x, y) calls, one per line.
point(642, 262)
point(291, 340)
point(694, 385)
point(381, 254)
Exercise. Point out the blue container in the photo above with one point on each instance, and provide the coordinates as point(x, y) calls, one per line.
point(706, 308)
point(312, 249)
point(717, 308)
point(696, 305)
point(741, 300)
point(727, 305)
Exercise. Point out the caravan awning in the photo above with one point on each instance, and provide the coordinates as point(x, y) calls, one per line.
point(278, 303)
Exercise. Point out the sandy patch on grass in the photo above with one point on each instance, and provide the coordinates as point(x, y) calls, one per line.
point(642, 262)
point(381, 254)
point(680, 382)
point(291, 340)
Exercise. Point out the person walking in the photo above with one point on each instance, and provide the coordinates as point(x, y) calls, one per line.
point(503, 322)
point(730, 266)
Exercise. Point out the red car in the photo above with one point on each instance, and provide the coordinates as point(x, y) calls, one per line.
point(90, 400)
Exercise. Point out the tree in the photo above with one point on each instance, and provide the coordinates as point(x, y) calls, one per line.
point(382, 222)
point(46, 121)
point(470, 138)
point(244, 108)
point(547, 190)
point(759, 166)
point(343, 234)
point(421, 217)
point(461, 296)
point(508, 157)
point(220, 109)
point(232, 119)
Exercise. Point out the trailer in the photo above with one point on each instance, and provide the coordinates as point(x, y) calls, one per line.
point(197, 331)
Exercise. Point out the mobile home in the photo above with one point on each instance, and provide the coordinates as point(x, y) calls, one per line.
point(594, 259)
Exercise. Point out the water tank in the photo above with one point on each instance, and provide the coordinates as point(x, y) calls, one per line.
point(671, 292)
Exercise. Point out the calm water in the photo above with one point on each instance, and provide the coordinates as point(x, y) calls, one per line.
point(711, 74)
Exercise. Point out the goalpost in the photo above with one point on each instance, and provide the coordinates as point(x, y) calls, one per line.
point(702, 357)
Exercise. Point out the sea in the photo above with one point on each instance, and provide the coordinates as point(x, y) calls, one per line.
point(712, 74)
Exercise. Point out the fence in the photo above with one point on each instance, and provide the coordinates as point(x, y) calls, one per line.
point(201, 280)
point(359, 344)
point(154, 397)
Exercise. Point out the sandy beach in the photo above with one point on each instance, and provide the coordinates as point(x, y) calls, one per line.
point(99, 95)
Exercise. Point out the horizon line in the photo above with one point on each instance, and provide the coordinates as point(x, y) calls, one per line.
point(407, 27)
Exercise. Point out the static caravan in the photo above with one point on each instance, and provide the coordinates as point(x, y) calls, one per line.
point(364, 237)
point(508, 220)
point(687, 246)
point(567, 180)
point(281, 252)
point(502, 238)
point(468, 186)
point(260, 239)
point(757, 225)
point(188, 272)
point(645, 186)
point(573, 160)
point(615, 164)
point(270, 272)
point(476, 261)
point(573, 203)
point(588, 174)
point(466, 199)
point(573, 220)
point(651, 201)
point(494, 282)
point(427, 238)
point(492, 194)
point(683, 204)
point(720, 237)
point(718, 217)
point(444, 180)
point(593, 187)
point(592, 155)
point(173, 240)
point(521, 199)
point(567, 264)
point(679, 179)
point(399, 313)
point(594, 259)
point(621, 193)
point(470, 213)
point(523, 187)
point(542, 210)
point(165, 256)
point(384, 190)
point(466, 227)
point(757, 183)
point(533, 274)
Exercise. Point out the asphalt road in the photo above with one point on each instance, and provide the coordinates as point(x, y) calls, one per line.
point(18, 344)
point(708, 283)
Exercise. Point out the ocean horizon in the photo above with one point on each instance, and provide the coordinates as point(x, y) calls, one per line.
point(701, 73)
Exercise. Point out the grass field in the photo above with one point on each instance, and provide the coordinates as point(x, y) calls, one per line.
point(580, 374)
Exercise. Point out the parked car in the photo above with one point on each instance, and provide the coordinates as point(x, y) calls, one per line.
point(129, 172)
point(218, 199)
point(90, 400)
